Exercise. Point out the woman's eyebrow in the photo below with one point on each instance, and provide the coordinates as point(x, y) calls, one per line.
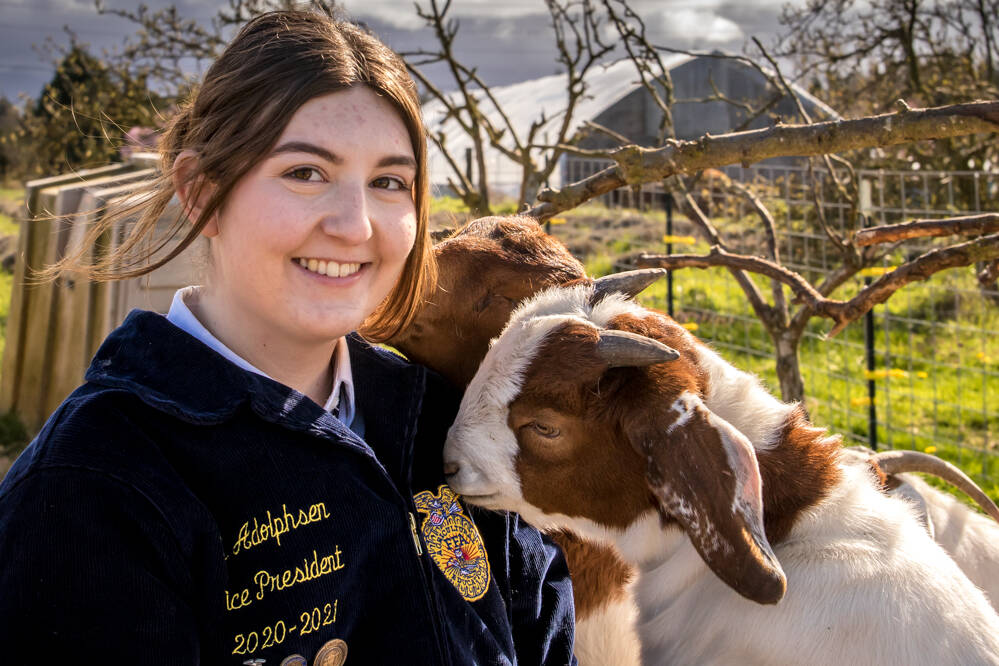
point(305, 147)
point(319, 151)
point(397, 160)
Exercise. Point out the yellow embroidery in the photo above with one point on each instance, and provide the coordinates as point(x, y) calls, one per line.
point(310, 570)
point(453, 542)
point(275, 526)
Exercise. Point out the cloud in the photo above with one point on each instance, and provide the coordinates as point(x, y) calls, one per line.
point(402, 15)
point(688, 26)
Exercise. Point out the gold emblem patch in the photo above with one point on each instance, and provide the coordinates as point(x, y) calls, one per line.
point(454, 542)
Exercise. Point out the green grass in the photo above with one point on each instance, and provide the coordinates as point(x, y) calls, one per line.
point(12, 195)
point(6, 283)
point(456, 206)
point(8, 225)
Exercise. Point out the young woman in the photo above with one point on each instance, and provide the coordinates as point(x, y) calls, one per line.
point(245, 480)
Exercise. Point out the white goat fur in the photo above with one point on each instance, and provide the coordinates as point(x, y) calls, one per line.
point(969, 537)
point(865, 582)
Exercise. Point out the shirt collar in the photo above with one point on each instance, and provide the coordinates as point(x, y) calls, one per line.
point(341, 398)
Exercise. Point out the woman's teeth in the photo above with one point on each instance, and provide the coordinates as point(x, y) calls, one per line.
point(329, 268)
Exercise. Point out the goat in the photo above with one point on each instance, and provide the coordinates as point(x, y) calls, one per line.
point(602, 417)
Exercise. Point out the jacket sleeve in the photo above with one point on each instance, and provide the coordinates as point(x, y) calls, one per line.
point(90, 573)
point(542, 612)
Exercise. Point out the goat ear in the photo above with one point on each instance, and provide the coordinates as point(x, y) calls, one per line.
point(704, 474)
point(629, 283)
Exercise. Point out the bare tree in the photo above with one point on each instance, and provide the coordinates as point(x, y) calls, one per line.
point(576, 26)
point(865, 55)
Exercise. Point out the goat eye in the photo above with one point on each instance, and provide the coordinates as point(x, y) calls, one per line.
point(545, 430)
point(482, 303)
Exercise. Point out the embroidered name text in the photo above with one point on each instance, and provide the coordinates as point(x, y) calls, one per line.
point(274, 526)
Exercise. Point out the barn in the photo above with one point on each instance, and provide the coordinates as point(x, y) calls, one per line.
point(711, 93)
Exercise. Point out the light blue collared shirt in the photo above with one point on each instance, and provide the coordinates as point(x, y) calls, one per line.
point(180, 315)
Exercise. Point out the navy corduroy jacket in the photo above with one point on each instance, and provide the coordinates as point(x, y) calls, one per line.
point(179, 510)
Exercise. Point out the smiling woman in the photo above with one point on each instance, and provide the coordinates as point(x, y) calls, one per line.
point(248, 480)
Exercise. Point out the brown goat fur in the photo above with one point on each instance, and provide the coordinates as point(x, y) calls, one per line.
point(796, 473)
point(485, 270)
point(598, 577)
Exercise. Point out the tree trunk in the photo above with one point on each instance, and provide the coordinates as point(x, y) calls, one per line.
point(792, 387)
point(529, 187)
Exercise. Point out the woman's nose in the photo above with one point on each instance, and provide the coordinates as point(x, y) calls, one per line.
point(347, 218)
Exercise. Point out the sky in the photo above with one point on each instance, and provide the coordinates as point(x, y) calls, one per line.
point(508, 40)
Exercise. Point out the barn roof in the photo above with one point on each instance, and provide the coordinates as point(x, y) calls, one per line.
point(526, 102)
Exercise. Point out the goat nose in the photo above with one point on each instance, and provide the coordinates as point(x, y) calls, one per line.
point(450, 468)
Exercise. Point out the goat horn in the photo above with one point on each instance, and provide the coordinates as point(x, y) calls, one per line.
point(621, 349)
point(896, 462)
point(629, 283)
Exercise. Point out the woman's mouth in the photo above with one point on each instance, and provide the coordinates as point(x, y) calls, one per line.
point(329, 268)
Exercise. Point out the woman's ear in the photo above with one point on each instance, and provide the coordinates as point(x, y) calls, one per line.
point(193, 191)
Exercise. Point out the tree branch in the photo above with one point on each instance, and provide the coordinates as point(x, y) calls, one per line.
point(842, 313)
point(971, 224)
point(637, 165)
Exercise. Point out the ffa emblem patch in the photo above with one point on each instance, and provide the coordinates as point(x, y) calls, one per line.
point(454, 542)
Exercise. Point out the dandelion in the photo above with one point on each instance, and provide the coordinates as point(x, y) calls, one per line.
point(680, 240)
point(887, 373)
point(860, 402)
point(930, 449)
point(876, 271)
point(922, 374)
point(690, 326)
point(557, 220)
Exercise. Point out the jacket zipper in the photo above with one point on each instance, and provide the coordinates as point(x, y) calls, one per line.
point(416, 537)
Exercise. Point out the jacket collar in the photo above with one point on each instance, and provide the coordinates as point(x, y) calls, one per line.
point(174, 372)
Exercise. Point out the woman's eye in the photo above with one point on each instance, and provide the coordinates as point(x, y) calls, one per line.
point(308, 174)
point(389, 183)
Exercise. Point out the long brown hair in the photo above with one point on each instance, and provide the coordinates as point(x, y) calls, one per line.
point(276, 63)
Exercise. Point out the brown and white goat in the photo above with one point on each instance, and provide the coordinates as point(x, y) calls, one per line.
point(615, 422)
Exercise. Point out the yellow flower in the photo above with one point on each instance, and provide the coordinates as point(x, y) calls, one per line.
point(557, 220)
point(930, 449)
point(690, 325)
point(860, 402)
point(889, 373)
point(876, 271)
point(922, 374)
point(680, 240)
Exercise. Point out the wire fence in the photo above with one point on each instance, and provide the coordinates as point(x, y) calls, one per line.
point(924, 376)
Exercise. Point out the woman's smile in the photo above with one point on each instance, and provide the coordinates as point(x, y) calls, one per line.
point(332, 269)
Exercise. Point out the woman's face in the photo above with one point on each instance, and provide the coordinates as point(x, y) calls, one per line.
point(315, 236)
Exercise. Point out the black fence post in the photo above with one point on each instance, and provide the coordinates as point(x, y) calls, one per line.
point(872, 409)
point(668, 201)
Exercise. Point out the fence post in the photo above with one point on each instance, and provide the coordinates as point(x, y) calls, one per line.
point(668, 202)
point(872, 410)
